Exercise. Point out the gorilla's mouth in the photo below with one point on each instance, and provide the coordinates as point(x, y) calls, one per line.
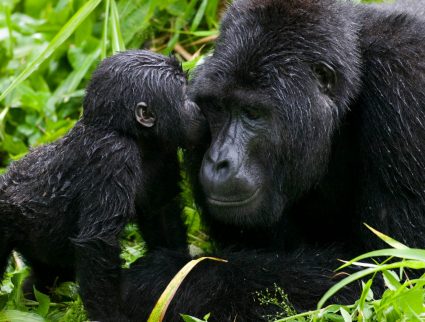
point(233, 203)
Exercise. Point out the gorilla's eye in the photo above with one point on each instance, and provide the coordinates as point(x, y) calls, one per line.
point(252, 113)
point(219, 107)
point(326, 76)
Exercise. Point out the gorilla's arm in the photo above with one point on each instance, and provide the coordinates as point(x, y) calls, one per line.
point(391, 111)
point(227, 290)
point(108, 206)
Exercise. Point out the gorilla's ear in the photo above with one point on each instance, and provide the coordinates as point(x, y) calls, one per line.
point(326, 76)
point(144, 115)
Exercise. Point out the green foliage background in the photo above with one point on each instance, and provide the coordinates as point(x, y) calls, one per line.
point(48, 50)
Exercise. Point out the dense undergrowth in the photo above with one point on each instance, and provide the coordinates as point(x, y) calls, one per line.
point(48, 50)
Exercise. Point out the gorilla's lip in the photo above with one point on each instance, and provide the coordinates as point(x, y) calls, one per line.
point(233, 203)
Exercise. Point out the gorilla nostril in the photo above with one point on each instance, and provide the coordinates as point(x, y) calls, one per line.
point(222, 166)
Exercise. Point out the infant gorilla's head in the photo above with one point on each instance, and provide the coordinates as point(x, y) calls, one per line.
point(144, 95)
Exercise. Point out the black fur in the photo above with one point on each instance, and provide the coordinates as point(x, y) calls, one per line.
point(64, 205)
point(230, 291)
point(317, 118)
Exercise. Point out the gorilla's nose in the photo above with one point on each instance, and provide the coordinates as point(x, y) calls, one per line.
point(221, 176)
point(222, 167)
point(217, 169)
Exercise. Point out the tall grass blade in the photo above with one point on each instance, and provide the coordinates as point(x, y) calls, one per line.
point(392, 242)
point(58, 40)
point(104, 44)
point(71, 83)
point(180, 22)
point(409, 253)
point(199, 15)
point(117, 40)
point(158, 312)
point(353, 277)
point(8, 16)
point(3, 114)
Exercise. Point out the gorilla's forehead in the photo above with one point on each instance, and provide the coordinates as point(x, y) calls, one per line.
point(276, 43)
point(272, 29)
point(242, 72)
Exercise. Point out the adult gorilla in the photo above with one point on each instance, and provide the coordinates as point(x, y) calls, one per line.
point(317, 118)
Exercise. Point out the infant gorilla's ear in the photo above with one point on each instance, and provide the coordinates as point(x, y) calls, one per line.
point(144, 115)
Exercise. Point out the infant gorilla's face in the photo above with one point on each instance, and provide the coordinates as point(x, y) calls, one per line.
point(144, 94)
point(168, 112)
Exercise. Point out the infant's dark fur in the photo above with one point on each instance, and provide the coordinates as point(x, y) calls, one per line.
point(64, 205)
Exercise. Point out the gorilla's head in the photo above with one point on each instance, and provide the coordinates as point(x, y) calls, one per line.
point(273, 92)
point(143, 94)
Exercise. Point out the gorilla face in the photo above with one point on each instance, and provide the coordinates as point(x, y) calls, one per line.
point(273, 93)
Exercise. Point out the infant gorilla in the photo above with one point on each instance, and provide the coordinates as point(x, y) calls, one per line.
point(64, 205)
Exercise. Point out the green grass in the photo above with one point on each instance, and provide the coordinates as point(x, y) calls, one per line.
point(48, 50)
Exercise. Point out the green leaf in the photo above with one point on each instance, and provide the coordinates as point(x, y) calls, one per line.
point(18, 316)
point(9, 25)
point(104, 44)
point(345, 315)
point(13, 145)
point(117, 40)
point(391, 280)
point(349, 279)
point(392, 242)
point(58, 40)
point(17, 294)
point(180, 22)
point(412, 301)
point(74, 79)
point(68, 289)
point(409, 253)
point(3, 114)
point(365, 294)
point(43, 303)
point(3, 301)
point(199, 14)
point(158, 312)
point(132, 15)
point(188, 318)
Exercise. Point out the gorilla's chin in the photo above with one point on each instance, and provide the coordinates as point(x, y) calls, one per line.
point(235, 201)
point(248, 211)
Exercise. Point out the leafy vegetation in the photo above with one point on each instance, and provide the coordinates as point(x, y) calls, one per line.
point(48, 50)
